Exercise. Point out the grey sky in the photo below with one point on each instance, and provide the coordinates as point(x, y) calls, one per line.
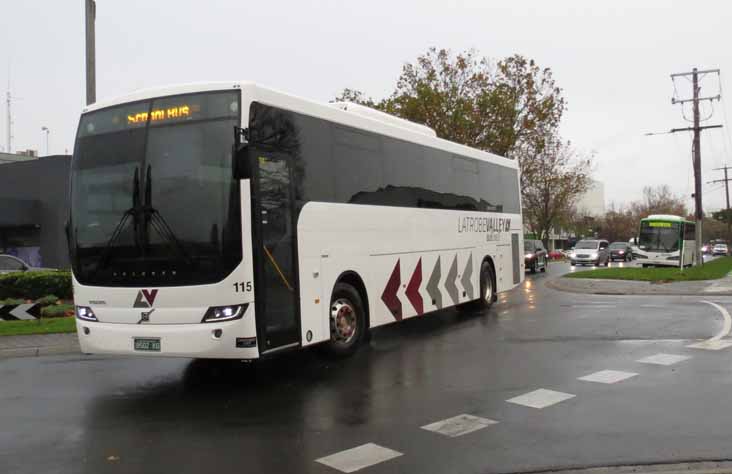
point(613, 60)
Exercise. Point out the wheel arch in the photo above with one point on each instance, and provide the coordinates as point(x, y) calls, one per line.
point(354, 279)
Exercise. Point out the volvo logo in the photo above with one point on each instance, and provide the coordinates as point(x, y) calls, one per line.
point(145, 316)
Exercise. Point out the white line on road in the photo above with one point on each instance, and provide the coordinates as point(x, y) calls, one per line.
point(716, 343)
point(459, 425)
point(663, 359)
point(608, 376)
point(351, 460)
point(541, 398)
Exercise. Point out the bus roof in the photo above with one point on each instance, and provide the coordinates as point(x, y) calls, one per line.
point(665, 217)
point(352, 116)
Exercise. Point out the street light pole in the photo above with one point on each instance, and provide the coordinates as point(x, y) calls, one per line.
point(45, 129)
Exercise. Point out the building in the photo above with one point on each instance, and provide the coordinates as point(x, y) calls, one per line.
point(34, 202)
point(592, 202)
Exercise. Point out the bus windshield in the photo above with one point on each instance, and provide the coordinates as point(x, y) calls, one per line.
point(153, 198)
point(659, 236)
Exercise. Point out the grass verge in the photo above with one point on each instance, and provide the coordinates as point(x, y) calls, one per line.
point(712, 270)
point(40, 326)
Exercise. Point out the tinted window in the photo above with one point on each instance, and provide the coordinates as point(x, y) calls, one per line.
point(334, 163)
point(618, 245)
point(9, 263)
point(586, 244)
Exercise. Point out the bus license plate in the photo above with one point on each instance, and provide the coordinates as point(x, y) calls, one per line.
point(147, 344)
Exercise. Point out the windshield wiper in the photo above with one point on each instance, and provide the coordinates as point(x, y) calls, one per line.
point(130, 213)
point(159, 223)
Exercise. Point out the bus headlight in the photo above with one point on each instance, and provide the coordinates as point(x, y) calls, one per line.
point(224, 313)
point(85, 313)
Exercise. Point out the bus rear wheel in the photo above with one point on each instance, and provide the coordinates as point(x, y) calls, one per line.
point(347, 321)
point(487, 289)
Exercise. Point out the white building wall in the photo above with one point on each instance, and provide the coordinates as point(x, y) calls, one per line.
point(592, 202)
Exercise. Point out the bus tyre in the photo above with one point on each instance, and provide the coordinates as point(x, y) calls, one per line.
point(347, 321)
point(487, 289)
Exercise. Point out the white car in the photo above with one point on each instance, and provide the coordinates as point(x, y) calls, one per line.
point(11, 264)
point(720, 249)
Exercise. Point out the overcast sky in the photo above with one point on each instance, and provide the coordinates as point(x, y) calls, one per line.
point(613, 60)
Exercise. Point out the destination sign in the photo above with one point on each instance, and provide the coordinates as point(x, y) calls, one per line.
point(159, 115)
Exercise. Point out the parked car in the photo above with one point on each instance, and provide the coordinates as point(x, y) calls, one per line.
point(590, 252)
point(11, 264)
point(621, 251)
point(535, 255)
point(720, 249)
point(556, 255)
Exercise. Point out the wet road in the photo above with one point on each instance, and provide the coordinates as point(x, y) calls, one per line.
point(86, 414)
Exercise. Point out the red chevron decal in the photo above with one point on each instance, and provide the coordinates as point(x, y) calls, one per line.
point(389, 296)
point(412, 292)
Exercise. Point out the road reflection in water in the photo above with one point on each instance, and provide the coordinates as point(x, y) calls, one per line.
point(234, 415)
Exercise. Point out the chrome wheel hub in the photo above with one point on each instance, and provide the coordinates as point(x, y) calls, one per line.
point(343, 321)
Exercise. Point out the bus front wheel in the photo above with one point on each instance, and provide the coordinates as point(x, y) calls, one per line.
point(347, 321)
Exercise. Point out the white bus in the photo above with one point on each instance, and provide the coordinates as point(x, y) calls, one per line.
point(667, 241)
point(228, 220)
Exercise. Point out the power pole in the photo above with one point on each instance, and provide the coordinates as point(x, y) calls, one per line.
point(696, 148)
point(726, 192)
point(91, 76)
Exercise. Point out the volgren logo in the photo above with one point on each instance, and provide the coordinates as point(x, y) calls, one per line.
point(145, 298)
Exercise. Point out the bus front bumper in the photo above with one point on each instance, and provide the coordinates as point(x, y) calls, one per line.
point(175, 340)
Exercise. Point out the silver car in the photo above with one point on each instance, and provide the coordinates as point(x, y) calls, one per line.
point(11, 264)
point(590, 252)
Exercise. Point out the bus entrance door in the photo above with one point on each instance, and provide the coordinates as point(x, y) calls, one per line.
point(276, 289)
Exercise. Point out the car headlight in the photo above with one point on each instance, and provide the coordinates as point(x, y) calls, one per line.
point(529, 255)
point(621, 252)
point(572, 255)
point(224, 313)
point(85, 313)
point(594, 255)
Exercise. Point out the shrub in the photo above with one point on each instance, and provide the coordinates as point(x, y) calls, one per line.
point(47, 300)
point(57, 311)
point(11, 301)
point(33, 285)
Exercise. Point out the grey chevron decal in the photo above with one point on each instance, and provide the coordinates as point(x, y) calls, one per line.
point(433, 288)
point(467, 276)
point(450, 282)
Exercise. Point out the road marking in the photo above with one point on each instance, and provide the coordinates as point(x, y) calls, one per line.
point(663, 359)
point(459, 425)
point(716, 343)
point(541, 398)
point(354, 459)
point(608, 376)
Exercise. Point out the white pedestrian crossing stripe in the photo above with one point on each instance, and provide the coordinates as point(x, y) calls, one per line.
point(459, 425)
point(664, 359)
point(541, 398)
point(354, 459)
point(608, 376)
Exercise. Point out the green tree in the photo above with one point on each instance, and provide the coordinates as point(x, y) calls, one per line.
point(497, 107)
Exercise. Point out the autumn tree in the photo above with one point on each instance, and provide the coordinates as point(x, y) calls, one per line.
point(553, 180)
point(659, 200)
point(493, 106)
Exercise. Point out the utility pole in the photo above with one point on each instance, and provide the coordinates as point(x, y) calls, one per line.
point(696, 148)
point(91, 76)
point(726, 192)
